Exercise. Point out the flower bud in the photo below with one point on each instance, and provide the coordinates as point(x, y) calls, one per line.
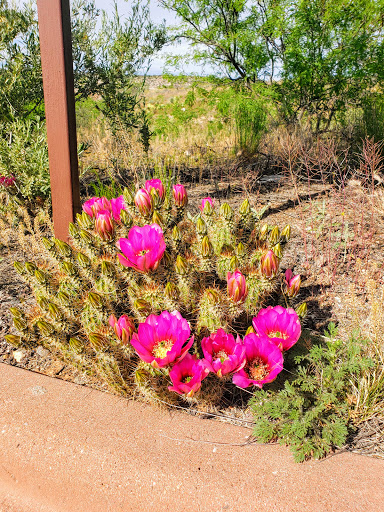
point(20, 324)
point(269, 264)
point(157, 218)
point(171, 291)
point(107, 268)
point(234, 263)
point(292, 282)
point(104, 225)
point(156, 188)
point(226, 211)
point(19, 267)
point(125, 218)
point(54, 312)
point(68, 268)
point(206, 247)
point(245, 208)
point(278, 251)
point(63, 298)
point(84, 220)
point(286, 233)
point(76, 345)
point(181, 265)
point(241, 250)
point(274, 236)
point(212, 295)
point(207, 205)
point(129, 195)
point(62, 248)
point(180, 195)
point(73, 230)
point(17, 313)
point(250, 330)
point(48, 244)
point(263, 233)
point(86, 237)
point(98, 341)
point(237, 286)
point(141, 305)
point(41, 278)
point(43, 303)
point(13, 340)
point(176, 235)
point(83, 260)
point(124, 327)
point(302, 310)
point(95, 300)
point(201, 227)
point(30, 267)
point(143, 202)
point(45, 328)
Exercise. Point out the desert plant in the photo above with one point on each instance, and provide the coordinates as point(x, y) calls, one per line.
point(141, 263)
point(312, 411)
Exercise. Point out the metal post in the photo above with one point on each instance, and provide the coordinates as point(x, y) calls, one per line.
point(59, 98)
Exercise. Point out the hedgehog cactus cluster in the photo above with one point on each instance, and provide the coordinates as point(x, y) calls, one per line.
point(140, 274)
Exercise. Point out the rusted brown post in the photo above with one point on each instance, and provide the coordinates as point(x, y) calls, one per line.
point(59, 97)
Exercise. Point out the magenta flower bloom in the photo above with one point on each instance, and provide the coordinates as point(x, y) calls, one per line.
point(96, 204)
point(117, 204)
point(264, 361)
point(143, 202)
point(162, 339)
point(205, 201)
point(237, 286)
point(157, 185)
point(180, 195)
point(143, 249)
point(123, 327)
point(292, 283)
point(186, 375)
point(280, 325)
point(104, 224)
point(7, 181)
point(269, 264)
point(222, 353)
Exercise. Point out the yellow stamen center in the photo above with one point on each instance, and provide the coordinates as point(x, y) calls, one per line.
point(161, 348)
point(278, 334)
point(222, 355)
point(143, 252)
point(186, 379)
point(257, 369)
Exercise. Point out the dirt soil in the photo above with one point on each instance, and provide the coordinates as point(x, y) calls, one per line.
point(332, 234)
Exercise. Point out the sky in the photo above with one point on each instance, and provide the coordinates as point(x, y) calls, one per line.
point(158, 14)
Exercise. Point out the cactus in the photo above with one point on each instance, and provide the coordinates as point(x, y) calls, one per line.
point(80, 285)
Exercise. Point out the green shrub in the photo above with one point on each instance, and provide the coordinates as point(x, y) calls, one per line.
point(311, 412)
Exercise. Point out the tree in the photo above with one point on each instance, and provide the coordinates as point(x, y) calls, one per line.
point(319, 56)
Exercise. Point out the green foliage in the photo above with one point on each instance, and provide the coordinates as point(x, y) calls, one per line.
point(24, 154)
point(318, 56)
point(311, 412)
point(21, 86)
point(111, 190)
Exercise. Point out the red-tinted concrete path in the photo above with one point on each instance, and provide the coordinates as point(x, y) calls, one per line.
point(66, 448)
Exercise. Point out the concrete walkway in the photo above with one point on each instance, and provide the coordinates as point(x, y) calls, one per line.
point(66, 448)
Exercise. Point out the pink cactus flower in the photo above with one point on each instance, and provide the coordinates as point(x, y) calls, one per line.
point(7, 181)
point(123, 327)
point(237, 286)
point(222, 353)
point(264, 361)
point(143, 202)
point(96, 204)
point(280, 325)
point(205, 201)
point(104, 224)
point(180, 195)
point(117, 204)
point(157, 185)
point(187, 375)
point(162, 339)
point(292, 283)
point(143, 249)
point(269, 264)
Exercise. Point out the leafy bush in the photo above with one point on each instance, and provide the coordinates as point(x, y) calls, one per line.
point(24, 154)
point(311, 413)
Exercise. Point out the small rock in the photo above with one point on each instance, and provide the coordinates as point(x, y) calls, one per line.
point(19, 355)
point(37, 390)
point(42, 352)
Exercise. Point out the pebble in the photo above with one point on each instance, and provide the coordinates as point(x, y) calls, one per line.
point(19, 355)
point(42, 352)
